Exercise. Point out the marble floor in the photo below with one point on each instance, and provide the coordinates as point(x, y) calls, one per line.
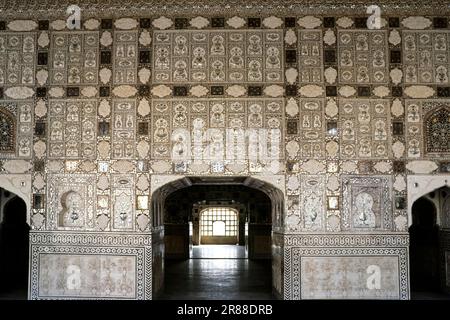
point(218, 252)
point(217, 273)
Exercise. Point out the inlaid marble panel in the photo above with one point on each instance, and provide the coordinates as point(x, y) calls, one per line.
point(312, 202)
point(72, 129)
point(124, 129)
point(312, 128)
point(310, 56)
point(362, 56)
point(87, 276)
point(74, 58)
point(180, 126)
point(365, 128)
point(369, 277)
point(125, 57)
point(123, 202)
point(426, 56)
point(217, 56)
point(366, 203)
point(71, 201)
point(17, 58)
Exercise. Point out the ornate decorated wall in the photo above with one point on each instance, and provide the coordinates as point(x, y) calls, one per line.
point(97, 115)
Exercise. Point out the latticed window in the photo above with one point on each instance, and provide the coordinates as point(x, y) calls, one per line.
point(7, 131)
point(219, 221)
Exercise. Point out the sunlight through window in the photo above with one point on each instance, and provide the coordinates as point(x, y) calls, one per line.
point(217, 221)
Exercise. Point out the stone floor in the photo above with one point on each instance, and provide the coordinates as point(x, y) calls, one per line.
point(218, 252)
point(218, 273)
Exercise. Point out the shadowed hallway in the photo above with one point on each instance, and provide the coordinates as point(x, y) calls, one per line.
point(217, 273)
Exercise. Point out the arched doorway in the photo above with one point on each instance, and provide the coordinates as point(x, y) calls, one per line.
point(430, 215)
point(14, 243)
point(215, 239)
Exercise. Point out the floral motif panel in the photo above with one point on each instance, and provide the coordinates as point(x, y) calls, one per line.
point(362, 57)
point(72, 129)
point(426, 57)
point(74, 58)
point(217, 56)
point(17, 58)
point(365, 128)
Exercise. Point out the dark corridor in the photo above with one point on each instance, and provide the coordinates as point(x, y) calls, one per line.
point(217, 278)
point(198, 269)
point(14, 237)
point(424, 248)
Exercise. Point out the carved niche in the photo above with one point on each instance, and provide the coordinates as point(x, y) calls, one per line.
point(366, 203)
point(71, 202)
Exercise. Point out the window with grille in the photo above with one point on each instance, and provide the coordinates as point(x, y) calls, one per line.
point(219, 222)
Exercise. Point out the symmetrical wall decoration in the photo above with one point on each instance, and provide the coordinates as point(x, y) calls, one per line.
point(366, 203)
point(123, 202)
point(310, 56)
point(100, 117)
point(124, 129)
point(74, 58)
point(106, 276)
point(71, 202)
point(349, 277)
point(217, 56)
point(312, 202)
point(125, 57)
point(426, 57)
point(72, 266)
point(312, 128)
point(324, 266)
point(188, 118)
point(72, 129)
point(17, 58)
point(365, 128)
point(362, 57)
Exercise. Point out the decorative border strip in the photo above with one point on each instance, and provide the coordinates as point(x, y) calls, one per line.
point(90, 238)
point(347, 240)
point(119, 8)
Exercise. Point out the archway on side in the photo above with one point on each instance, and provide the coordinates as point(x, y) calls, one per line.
point(428, 259)
point(14, 245)
point(215, 239)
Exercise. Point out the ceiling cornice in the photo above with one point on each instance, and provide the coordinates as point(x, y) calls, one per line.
point(141, 8)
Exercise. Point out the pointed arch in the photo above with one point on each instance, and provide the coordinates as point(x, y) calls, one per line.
point(20, 185)
point(418, 186)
